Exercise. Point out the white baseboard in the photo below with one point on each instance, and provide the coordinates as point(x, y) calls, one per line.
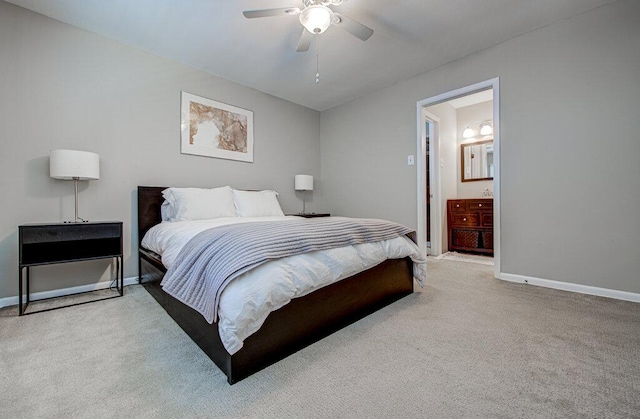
point(567, 286)
point(522, 279)
point(12, 301)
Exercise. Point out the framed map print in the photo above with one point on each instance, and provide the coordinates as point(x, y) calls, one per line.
point(214, 129)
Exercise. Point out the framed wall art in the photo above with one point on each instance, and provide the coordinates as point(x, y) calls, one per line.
point(214, 129)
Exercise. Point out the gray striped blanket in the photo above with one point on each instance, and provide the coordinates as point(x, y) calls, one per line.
point(213, 258)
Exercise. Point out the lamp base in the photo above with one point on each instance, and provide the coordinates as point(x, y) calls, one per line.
point(75, 189)
point(304, 199)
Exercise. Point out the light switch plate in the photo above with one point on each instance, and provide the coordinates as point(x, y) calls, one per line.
point(410, 160)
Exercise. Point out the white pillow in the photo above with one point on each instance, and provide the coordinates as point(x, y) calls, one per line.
point(199, 204)
point(257, 203)
point(166, 211)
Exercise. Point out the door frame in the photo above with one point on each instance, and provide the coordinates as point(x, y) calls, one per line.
point(436, 204)
point(434, 169)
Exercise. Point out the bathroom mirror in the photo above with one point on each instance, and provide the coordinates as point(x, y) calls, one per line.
point(476, 161)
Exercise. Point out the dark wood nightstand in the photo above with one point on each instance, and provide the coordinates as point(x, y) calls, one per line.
point(45, 244)
point(312, 215)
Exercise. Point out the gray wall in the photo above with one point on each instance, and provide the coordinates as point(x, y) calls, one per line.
point(570, 144)
point(66, 88)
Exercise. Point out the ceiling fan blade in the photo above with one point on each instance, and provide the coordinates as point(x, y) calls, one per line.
point(283, 11)
point(354, 28)
point(305, 41)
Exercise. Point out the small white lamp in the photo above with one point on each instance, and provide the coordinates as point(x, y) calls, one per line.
point(304, 183)
point(74, 165)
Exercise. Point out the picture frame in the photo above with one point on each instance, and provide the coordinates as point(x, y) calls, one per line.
point(214, 129)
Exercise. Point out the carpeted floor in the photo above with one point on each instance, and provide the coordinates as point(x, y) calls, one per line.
point(466, 346)
point(466, 257)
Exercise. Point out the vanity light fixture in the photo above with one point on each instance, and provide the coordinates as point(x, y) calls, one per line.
point(486, 128)
point(468, 132)
point(483, 129)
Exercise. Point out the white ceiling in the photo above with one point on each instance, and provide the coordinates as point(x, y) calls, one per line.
point(472, 99)
point(411, 37)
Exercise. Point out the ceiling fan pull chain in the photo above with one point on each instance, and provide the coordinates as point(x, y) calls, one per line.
point(317, 59)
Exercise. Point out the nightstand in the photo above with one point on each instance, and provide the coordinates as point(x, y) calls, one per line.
point(46, 244)
point(311, 215)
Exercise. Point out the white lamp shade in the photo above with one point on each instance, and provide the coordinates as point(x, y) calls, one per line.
point(316, 19)
point(304, 183)
point(69, 164)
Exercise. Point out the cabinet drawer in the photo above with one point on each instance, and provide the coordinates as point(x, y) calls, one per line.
point(457, 205)
point(69, 232)
point(465, 220)
point(482, 205)
point(487, 219)
point(56, 243)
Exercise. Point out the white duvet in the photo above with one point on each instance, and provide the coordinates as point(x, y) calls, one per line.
point(247, 301)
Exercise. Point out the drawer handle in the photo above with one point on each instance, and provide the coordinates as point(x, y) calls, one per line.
point(457, 205)
point(479, 205)
point(464, 219)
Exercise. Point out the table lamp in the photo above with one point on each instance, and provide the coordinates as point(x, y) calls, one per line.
point(303, 183)
point(74, 165)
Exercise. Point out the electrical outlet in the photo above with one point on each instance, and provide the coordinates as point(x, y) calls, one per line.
point(410, 160)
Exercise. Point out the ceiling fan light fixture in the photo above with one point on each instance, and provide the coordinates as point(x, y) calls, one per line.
point(317, 18)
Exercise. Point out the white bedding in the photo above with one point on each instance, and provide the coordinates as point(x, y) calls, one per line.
point(248, 300)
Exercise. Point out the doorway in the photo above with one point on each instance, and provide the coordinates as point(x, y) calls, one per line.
point(428, 193)
point(432, 169)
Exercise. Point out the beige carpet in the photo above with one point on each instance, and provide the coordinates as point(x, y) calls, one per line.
point(466, 257)
point(467, 346)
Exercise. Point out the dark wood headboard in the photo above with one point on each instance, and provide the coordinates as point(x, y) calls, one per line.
point(149, 201)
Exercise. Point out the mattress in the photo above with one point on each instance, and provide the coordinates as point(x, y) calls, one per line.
point(248, 299)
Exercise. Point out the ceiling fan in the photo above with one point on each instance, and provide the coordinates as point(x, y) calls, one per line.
point(316, 17)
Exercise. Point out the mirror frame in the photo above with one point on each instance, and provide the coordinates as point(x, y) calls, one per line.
point(462, 146)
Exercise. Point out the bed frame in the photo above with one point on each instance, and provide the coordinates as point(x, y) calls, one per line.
point(300, 323)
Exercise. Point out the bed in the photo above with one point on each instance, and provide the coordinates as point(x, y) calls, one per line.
point(299, 323)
